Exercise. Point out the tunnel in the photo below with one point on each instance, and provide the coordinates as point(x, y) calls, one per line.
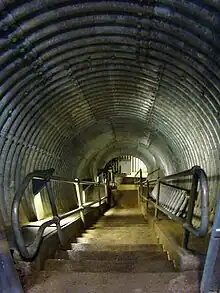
point(83, 82)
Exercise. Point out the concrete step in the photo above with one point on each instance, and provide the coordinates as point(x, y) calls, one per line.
point(58, 282)
point(117, 241)
point(123, 219)
point(112, 224)
point(119, 247)
point(126, 266)
point(118, 234)
point(123, 239)
point(120, 218)
point(129, 229)
point(111, 255)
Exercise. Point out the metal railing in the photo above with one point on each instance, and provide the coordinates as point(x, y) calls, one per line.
point(138, 178)
point(198, 181)
point(42, 179)
point(151, 173)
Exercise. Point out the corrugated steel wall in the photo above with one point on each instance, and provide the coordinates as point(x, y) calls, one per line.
point(82, 81)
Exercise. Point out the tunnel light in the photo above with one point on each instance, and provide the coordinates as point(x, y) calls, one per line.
point(37, 187)
point(39, 208)
point(83, 197)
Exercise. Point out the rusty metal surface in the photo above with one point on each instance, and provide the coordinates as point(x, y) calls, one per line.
point(79, 78)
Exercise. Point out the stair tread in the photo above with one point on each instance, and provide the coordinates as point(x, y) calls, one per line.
point(118, 235)
point(117, 241)
point(167, 282)
point(117, 224)
point(138, 226)
point(109, 265)
point(119, 247)
point(119, 230)
point(112, 255)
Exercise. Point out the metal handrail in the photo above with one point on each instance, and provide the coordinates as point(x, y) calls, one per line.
point(138, 180)
point(198, 175)
point(30, 251)
point(150, 181)
point(151, 173)
point(139, 171)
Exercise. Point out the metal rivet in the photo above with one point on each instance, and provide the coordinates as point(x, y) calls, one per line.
point(14, 40)
point(5, 28)
point(22, 50)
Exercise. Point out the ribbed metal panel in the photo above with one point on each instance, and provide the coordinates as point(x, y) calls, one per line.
point(79, 78)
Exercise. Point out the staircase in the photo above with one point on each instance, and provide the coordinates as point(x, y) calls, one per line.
point(119, 254)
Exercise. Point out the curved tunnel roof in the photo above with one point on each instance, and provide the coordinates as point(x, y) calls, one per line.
point(82, 81)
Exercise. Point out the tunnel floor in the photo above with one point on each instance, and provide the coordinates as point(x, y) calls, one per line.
point(120, 253)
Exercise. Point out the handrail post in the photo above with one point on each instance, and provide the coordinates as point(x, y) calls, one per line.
point(106, 194)
point(54, 211)
point(148, 194)
point(79, 199)
point(141, 182)
point(191, 205)
point(157, 201)
point(140, 189)
point(99, 196)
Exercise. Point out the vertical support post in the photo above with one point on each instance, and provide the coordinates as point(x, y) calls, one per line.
point(192, 200)
point(140, 189)
point(99, 196)
point(79, 199)
point(141, 182)
point(54, 212)
point(9, 280)
point(106, 194)
point(83, 197)
point(147, 202)
point(109, 194)
point(157, 201)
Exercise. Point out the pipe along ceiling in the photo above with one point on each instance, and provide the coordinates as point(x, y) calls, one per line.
point(85, 81)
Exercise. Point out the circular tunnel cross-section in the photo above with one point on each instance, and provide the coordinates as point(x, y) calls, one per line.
point(83, 82)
